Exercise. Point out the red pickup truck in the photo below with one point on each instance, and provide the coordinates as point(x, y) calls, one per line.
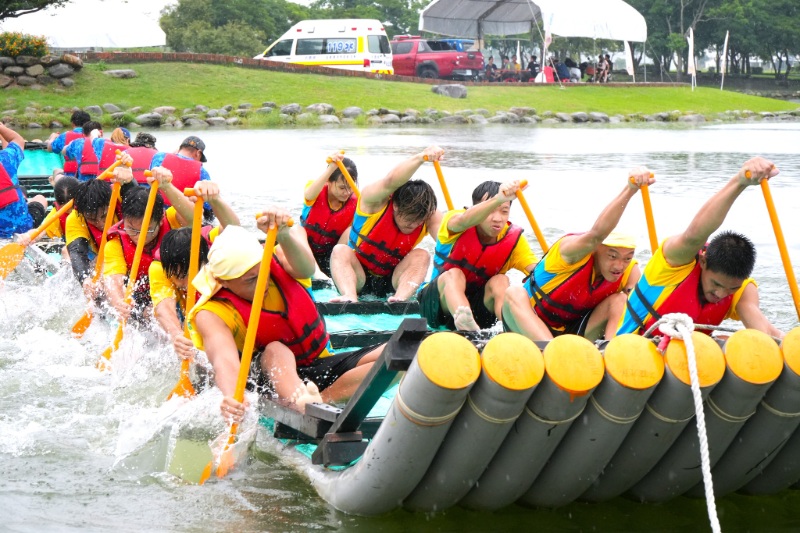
point(413, 55)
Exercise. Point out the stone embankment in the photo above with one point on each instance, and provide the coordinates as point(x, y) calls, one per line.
point(36, 72)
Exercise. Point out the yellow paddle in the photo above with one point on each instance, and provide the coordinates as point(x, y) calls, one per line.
point(442, 184)
point(347, 176)
point(11, 254)
point(648, 215)
point(132, 276)
point(226, 457)
point(526, 208)
point(184, 386)
point(776, 227)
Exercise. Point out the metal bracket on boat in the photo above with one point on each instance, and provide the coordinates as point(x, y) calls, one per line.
point(340, 442)
point(368, 307)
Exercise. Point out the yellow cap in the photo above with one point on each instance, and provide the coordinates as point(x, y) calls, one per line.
point(617, 239)
point(791, 349)
point(449, 360)
point(633, 361)
point(708, 354)
point(513, 361)
point(753, 356)
point(573, 363)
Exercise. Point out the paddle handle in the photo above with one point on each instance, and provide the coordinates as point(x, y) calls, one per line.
point(526, 208)
point(776, 226)
point(38, 231)
point(194, 255)
point(112, 206)
point(442, 184)
point(347, 176)
point(648, 215)
point(137, 256)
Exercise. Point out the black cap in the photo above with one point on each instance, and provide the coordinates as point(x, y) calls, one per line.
point(197, 144)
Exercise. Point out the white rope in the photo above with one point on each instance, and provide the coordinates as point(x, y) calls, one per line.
point(680, 326)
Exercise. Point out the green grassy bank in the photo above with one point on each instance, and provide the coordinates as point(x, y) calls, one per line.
point(184, 85)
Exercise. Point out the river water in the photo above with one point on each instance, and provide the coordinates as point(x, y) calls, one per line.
point(79, 449)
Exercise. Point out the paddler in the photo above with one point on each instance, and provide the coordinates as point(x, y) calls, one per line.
point(58, 141)
point(475, 247)
point(297, 364)
point(581, 284)
point(15, 214)
point(93, 153)
point(124, 236)
point(169, 270)
point(709, 281)
point(328, 210)
point(186, 166)
point(393, 215)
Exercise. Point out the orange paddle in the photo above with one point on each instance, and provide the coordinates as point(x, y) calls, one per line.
point(347, 176)
point(648, 215)
point(132, 276)
point(526, 208)
point(442, 184)
point(184, 387)
point(226, 457)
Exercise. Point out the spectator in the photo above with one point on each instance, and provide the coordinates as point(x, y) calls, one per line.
point(491, 70)
point(574, 71)
point(562, 72)
point(609, 67)
point(534, 67)
point(600, 71)
point(503, 63)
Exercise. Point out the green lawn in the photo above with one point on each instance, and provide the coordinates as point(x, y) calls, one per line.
point(184, 85)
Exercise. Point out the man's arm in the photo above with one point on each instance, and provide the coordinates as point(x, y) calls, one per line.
point(294, 253)
point(750, 313)
point(208, 191)
point(315, 187)
point(576, 247)
point(682, 249)
point(178, 200)
point(375, 195)
point(11, 136)
point(478, 213)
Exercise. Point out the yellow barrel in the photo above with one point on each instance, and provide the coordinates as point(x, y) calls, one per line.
point(791, 350)
point(708, 354)
point(449, 360)
point(753, 356)
point(574, 364)
point(513, 361)
point(634, 362)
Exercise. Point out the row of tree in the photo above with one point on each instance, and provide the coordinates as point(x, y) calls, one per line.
point(766, 29)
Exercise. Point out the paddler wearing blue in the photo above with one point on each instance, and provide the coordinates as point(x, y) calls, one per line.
point(709, 281)
point(169, 270)
point(186, 165)
point(392, 217)
point(15, 216)
point(296, 362)
point(123, 237)
point(328, 209)
point(475, 247)
point(580, 285)
point(58, 141)
point(92, 152)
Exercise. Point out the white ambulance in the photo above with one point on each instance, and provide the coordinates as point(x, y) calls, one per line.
point(349, 44)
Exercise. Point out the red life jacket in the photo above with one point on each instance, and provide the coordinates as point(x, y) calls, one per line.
point(479, 262)
point(301, 327)
point(572, 299)
point(185, 172)
point(685, 298)
point(109, 154)
point(382, 249)
point(324, 225)
point(89, 165)
point(70, 166)
point(117, 231)
point(142, 157)
point(205, 232)
point(9, 193)
point(62, 220)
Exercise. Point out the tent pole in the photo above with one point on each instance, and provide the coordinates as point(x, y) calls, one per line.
point(644, 59)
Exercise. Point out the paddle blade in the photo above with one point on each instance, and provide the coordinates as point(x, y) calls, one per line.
point(206, 473)
point(104, 363)
point(227, 459)
point(82, 325)
point(10, 257)
point(184, 387)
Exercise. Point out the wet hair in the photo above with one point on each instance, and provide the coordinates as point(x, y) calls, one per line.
point(351, 168)
point(144, 139)
point(118, 136)
point(91, 125)
point(37, 212)
point(415, 200)
point(79, 118)
point(91, 196)
point(488, 189)
point(134, 204)
point(175, 250)
point(731, 254)
point(65, 189)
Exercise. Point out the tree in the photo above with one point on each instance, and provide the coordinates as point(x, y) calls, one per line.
point(17, 8)
point(398, 16)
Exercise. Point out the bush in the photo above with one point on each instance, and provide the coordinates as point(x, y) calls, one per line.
point(756, 70)
point(13, 44)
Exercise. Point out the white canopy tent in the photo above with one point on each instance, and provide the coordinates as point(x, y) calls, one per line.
point(595, 19)
point(82, 24)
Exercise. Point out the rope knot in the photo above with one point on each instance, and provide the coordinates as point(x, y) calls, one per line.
point(677, 325)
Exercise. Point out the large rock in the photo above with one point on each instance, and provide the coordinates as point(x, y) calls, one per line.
point(264, 110)
point(34, 70)
point(329, 119)
point(390, 118)
point(267, 104)
point(233, 121)
point(26, 61)
point(195, 123)
point(523, 111)
point(48, 60)
point(453, 90)
point(5, 81)
point(125, 73)
point(66, 82)
point(596, 116)
point(692, 118)
point(94, 110)
point(454, 119)
point(564, 117)
point(73, 61)
point(111, 108)
point(216, 121)
point(320, 109)
point(477, 119)
point(14, 71)
point(61, 70)
point(580, 117)
point(26, 81)
point(212, 113)
point(245, 105)
point(164, 110)
point(291, 109)
point(150, 119)
point(7, 62)
point(408, 119)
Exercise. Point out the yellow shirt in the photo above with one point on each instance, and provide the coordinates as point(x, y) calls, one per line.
point(114, 260)
point(77, 228)
point(53, 227)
